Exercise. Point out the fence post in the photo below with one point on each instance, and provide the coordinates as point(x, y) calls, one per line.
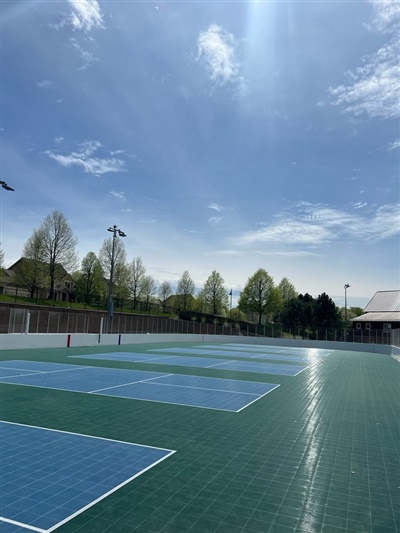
point(28, 319)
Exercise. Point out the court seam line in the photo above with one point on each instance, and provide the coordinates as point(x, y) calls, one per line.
point(130, 383)
point(22, 524)
point(220, 364)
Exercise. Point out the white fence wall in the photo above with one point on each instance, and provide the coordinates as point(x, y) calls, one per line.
point(60, 340)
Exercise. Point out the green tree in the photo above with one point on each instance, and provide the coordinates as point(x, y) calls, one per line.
point(327, 314)
point(89, 281)
point(287, 290)
point(1, 261)
point(136, 279)
point(185, 291)
point(164, 292)
point(238, 315)
point(259, 295)
point(215, 295)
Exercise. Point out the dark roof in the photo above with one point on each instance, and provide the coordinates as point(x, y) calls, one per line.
point(384, 301)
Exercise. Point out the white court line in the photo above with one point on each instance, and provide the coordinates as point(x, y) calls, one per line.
point(130, 383)
point(204, 388)
point(220, 364)
point(259, 398)
point(21, 524)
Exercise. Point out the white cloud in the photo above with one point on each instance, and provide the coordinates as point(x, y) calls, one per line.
point(120, 195)
point(87, 57)
point(395, 145)
point(215, 220)
point(58, 140)
point(83, 159)
point(317, 225)
point(299, 253)
point(374, 88)
point(45, 84)
point(216, 207)
point(359, 205)
point(86, 14)
point(217, 51)
point(387, 12)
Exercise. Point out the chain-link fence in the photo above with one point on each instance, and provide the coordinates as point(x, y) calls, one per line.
point(45, 320)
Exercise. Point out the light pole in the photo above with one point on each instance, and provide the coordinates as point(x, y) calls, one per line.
point(110, 305)
point(347, 285)
point(230, 305)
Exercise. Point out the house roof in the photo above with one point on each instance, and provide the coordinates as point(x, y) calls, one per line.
point(389, 316)
point(384, 301)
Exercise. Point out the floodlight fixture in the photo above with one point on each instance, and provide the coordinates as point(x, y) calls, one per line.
point(6, 186)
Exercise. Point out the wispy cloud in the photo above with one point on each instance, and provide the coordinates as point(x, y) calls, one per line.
point(318, 224)
point(359, 205)
point(225, 252)
point(83, 158)
point(120, 195)
point(373, 88)
point(215, 220)
point(395, 145)
point(216, 207)
point(386, 14)
point(87, 57)
point(299, 253)
point(86, 14)
point(45, 84)
point(217, 52)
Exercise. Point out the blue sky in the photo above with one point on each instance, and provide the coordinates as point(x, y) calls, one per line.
point(217, 135)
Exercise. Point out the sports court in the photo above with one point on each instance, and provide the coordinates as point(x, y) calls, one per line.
point(81, 451)
point(194, 391)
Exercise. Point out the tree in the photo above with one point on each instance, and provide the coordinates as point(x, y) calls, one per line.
point(106, 256)
point(185, 291)
point(149, 289)
point(164, 292)
point(89, 281)
point(136, 278)
point(1, 261)
point(287, 290)
point(121, 289)
point(259, 296)
point(58, 246)
point(215, 295)
point(327, 315)
point(238, 315)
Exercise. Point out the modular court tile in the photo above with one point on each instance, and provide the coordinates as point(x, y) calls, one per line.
point(319, 455)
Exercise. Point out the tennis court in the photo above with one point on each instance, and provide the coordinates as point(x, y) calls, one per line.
point(209, 393)
point(199, 362)
point(318, 455)
point(48, 477)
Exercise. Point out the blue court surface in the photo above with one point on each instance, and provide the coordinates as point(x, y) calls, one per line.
point(194, 391)
point(198, 362)
point(48, 477)
point(295, 350)
point(236, 353)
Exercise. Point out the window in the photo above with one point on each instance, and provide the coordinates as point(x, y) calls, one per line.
point(358, 325)
point(387, 327)
point(368, 325)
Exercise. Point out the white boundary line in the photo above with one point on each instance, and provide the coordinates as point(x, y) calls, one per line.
point(202, 388)
point(114, 489)
point(21, 524)
point(259, 398)
point(220, 364)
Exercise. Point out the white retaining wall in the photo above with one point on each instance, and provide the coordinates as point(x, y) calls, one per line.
point(60, 340)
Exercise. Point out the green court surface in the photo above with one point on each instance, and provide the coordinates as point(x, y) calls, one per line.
point(318, 454)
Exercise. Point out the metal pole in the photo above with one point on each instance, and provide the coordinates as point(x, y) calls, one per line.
point(110, 310)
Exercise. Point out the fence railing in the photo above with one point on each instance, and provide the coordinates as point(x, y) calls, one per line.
point(45, 320)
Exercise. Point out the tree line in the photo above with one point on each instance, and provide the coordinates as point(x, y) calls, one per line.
point(50, 252)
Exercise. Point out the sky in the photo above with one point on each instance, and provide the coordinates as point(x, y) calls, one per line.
point(226, 136)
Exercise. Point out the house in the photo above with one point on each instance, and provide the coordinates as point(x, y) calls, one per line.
point(28, 278)
point(381, 313)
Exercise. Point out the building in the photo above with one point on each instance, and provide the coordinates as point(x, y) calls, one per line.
point(28, 278)
point(381, 313)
